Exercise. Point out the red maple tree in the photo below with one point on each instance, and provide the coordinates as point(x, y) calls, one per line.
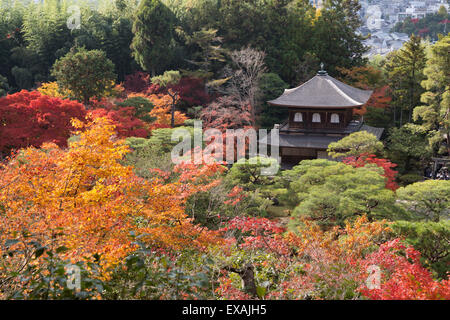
point(387, 166)
point(125, 121)
point(30, 119)
point(193, 92)
point(124, 118)
point(137, 82)
point(402, 275)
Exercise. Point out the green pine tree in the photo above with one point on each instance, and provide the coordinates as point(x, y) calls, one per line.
point(153, 41)
point(404, 74)
point(435, 113)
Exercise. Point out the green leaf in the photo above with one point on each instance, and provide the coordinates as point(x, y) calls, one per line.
point(39, 252)
point(61, 249)
point(261, 292)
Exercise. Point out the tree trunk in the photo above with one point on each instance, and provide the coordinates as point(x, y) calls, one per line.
point(253, 114)
point(395, 115)
point(253, 109)
point(411, 97)
point(86, 102)
point(247, 275)
point(172, 120)
point(448, 143)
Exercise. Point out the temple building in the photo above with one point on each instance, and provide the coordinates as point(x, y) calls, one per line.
point(320, 111)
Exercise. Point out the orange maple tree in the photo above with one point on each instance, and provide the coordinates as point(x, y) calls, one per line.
point(83, 198)
point(162, 109)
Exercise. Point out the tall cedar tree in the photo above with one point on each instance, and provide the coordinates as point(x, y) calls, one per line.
point(405, 73)
point(153, 30)
point(435, 114)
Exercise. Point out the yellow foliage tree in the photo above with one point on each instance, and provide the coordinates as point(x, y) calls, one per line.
point(53, 90)
point(83, 198)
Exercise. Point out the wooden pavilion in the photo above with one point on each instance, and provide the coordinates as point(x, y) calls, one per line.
point(320, 111)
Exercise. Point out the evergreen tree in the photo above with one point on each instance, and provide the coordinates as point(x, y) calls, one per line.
point(330, 192)
point(271, 86)
point(153, 41)
point(335, 38)
point(404, 75)
point(110, 32)
point(85, 73)
point(280, 28)
point(46, 33)
point(407, 146)
point(435, 114)
point(355, 144)
point(11, 19)
point(4, 87)
point(209, 49)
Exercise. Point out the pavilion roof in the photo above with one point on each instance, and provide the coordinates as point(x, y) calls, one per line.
point(323, 91)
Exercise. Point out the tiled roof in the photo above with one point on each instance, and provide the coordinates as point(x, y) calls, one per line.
point(323, 91)
point(375, 131)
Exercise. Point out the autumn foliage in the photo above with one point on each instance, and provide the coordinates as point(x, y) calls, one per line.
point(29, 118)
point(333, 264)
point(227, 113)
point(380, 98)
point(125, 121)
point(111, 189)
point(389, 173)
point(137, 82)
point(403, 277)
point(53, 90)
point(368, 78)
point(193, 92)
point(162, 110)
point(84, 199)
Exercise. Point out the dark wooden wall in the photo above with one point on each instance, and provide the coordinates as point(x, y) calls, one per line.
point(345, 116)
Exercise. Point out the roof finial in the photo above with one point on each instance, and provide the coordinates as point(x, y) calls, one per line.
point(322, 72)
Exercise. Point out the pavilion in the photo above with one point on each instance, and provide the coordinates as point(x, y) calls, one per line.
point(320, 111)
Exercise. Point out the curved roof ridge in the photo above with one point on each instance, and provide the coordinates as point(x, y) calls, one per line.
point(323, 91)
point(342, 93)
point(293, 89)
